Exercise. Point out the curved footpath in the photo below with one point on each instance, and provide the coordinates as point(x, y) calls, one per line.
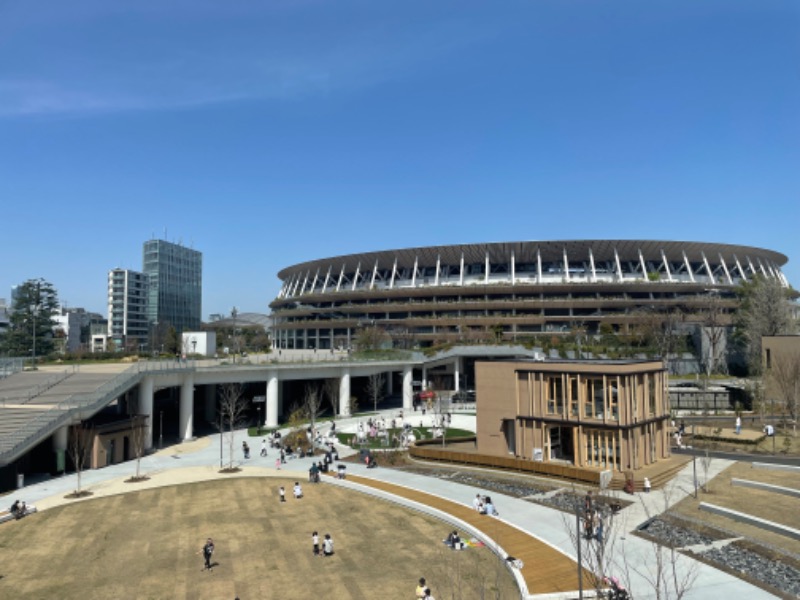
point(200, 460)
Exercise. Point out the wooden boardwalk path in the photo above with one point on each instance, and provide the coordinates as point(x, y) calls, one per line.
point(545, 569)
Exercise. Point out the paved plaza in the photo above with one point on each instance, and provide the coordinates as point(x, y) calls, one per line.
point(200, 461)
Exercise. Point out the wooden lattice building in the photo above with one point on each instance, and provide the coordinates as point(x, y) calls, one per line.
point(611, 415)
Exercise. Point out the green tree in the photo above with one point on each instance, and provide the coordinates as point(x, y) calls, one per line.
point(31, 321)
point(172, 342)
point(764, 309)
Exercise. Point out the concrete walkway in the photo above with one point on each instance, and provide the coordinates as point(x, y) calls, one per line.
point(200, 460)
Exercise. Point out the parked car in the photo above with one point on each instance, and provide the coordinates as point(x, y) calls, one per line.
point(464, 396)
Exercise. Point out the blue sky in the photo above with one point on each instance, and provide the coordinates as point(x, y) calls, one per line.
point(269, 133)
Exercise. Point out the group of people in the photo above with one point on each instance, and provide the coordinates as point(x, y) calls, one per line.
point(484, 505)
point(18, 509)
point(327, 545)
point(423, 591)
point(593, 524)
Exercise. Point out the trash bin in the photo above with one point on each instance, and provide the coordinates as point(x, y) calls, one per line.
point(20, 480)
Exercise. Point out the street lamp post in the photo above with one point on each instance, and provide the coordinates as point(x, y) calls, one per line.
point(234, 312)
point(34, 310)
point(160, 429)
point(258, 421)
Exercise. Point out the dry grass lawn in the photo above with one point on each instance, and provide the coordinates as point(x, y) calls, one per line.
point(144, 544)
point(767, 505)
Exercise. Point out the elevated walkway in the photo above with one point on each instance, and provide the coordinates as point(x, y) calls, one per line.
point(34, 404)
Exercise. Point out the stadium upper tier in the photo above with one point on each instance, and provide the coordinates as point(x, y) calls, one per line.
point(521, 286)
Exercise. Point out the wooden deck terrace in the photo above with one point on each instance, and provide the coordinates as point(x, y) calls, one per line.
point(545, 569)
point(659, 473)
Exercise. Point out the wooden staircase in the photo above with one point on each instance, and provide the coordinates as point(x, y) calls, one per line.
point(659, 473)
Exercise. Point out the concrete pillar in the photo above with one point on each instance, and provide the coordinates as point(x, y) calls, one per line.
point(210, 404)
point(146, 408)
point(459, 367)
point(186, 411)
point(60, 437)
point(272, 401)
point(424, 378)
point(408, 391)
point(389, 383)
point(344, 394)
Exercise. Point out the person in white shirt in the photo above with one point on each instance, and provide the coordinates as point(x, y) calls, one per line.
point(298, 491)
point(327, 545)
point(477, 504)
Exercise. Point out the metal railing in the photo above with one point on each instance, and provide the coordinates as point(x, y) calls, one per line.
point(9, 366)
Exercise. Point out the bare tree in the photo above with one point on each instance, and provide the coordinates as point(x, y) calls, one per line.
point(783, 378)
point(375, 388)
point(668, 575)
point(81, 443)
point(138, 435)
point(371, 338)
point(330, 390)
point(714, 319)
point(232, 406)
point(312, 401)
point(598, 552)
point(764, 310)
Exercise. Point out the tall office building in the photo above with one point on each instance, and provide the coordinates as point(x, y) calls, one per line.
point(175, 284)
point(127, 309)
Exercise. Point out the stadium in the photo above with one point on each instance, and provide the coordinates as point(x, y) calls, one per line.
point(513, 290)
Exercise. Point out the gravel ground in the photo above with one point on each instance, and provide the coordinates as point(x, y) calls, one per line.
point(732, 558)
point(510, 487)
point(772, 572)
point(673, 535)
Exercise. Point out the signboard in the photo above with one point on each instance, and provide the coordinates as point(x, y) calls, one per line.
point(538, 454)
point(259, 398)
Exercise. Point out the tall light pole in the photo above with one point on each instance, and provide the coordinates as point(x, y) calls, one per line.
point(234, 312)
point(34, 312)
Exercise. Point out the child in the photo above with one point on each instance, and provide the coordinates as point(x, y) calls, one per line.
point(282, 493)
point(315, 543)
point(327, 545)
point(298, 491)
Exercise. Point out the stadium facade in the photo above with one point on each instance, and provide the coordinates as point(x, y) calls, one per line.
point(421, 296)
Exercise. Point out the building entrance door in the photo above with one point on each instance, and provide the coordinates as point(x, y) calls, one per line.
point(561, 443)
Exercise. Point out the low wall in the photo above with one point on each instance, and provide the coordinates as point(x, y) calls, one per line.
point(427, 451)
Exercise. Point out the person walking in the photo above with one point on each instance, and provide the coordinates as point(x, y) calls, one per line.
point(245, 450)
point(264, 447)
point(738, 424)
point(315, 543)
point(283, 456)
point(298, 491)
point(282, 494)
point(646, 485)
point(208, 551)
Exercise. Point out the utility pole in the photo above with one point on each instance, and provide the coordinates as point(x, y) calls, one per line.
point(234, 312)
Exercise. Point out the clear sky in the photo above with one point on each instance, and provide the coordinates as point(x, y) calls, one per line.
point(269, 133)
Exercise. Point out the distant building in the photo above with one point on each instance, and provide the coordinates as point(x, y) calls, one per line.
point(5, 321)
point(610, 415)
point(175, 284)
point(127, 311)
point(67, 331)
